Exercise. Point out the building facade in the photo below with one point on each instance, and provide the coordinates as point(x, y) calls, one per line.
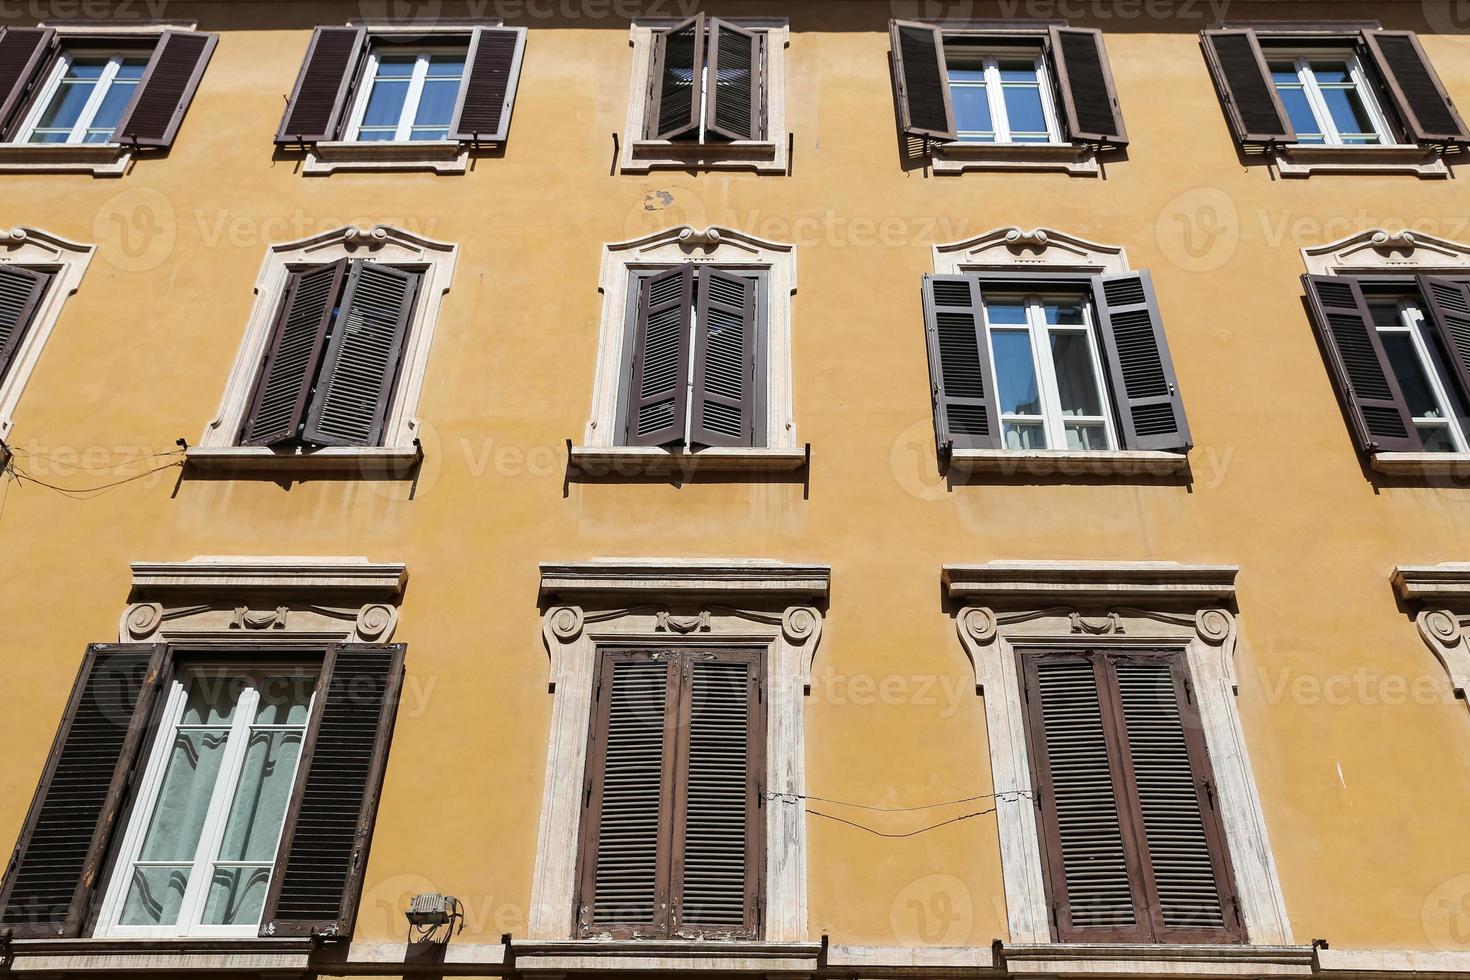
point(842, 489)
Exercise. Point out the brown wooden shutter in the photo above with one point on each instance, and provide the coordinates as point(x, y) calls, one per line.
point(1244, 83)
point(166, 89)
point(627, 816)
point(724, 361)
point(966, 413)
point(493, 69)
point(21, 290)
point(63, 842)
point(355, 385)
point(320, 96)
point(1358, 365)
point(329, 824)
point(1447, 303)
point(1145, 390)
point(736, 105)
point(676, 80)
point(1089, 99)
point(293, 355)
point(659, 392)
point(921, 80)
point(1419, 96)
point(22, 52)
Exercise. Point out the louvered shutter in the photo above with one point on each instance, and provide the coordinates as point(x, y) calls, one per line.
point(718, 828)
point(21, 290)
point(493, 69)
point(735, 106)
point(293, 355)
point(1447, 303)
point(63, 842)
point(1419, 96)
point(166, 89)
point(659, 392)
point(1089, 98)
point(922, 81)
point(724, 361)
point(22, 52)
point(966, 413)
point(627, 813)
point(328, 828)
point(1359, 366)
point(1145, 391)
point(320, 96)
point(676, 80)
point(355, 384)
point(1244, 83)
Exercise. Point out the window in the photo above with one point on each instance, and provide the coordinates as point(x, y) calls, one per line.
point(708, 84)
point(407, 95)
point(673, 841)
point(1413, 353)
point(22, 291)
point(1328, 99)
point(1000, 98)
point(84, 99)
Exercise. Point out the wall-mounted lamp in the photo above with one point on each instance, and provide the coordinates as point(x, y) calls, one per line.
point(429, 914)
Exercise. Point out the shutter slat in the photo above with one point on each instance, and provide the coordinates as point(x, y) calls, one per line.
point(1085, 79)
point(1243, 81)
point(21, 291)
point(22, 52)
point(921, 80)
point(1447, 302)
point(676, 80)
point(724, 361)
point(966, 412)
point(1415, 88)
point(736, 98)
point(493, 68)
point(320, 96)
point(1145, 389)
point(167, 87)
point(658, 394)
point(293, 355)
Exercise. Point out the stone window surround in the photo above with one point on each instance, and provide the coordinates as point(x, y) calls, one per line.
point(33, 247)
point(400, 450)
point(717, 245)
point(1002, 606)
point(590, 606)
point(768, 156)
point(1014, 249)
point(1380, 252)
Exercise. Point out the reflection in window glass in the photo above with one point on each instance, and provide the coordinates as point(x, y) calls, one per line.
point(86, 98)
point(999, 98)
point(410, 96)
point(1328, 100)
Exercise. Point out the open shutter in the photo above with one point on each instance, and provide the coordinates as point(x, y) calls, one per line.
point(1145, 390)
point(278, 407)
point(355, 384)
point(718, 828)
point(966, 413)
point(21, 290)
point(493, 64)
point(329, 824)
point(166, 89)
point(677, 79)
point(659, 392)
point(1089, 99)
point(1448, 304)
point(63, 842)
point(724, 361)
point(1359, 366)
point(320, 95)
point(736, 105)
point(623, 886)
point(1244, 83)
point(922, 80)
point(22, 51)
point(1419, 96)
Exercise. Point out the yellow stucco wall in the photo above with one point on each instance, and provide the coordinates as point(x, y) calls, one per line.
point(1365, 792)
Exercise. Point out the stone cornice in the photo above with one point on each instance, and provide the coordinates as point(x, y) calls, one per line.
point(1449, 581)
point(684, 577)
point(1142, 582)
point(276, 574)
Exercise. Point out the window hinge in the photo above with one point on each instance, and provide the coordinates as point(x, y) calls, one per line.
point(1210, 793)
point(1188, 691)
point(1235, 905)
point(1056, 908)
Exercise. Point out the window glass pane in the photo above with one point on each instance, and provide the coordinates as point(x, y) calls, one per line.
point(1025, 435)
point(1005, 312)
point(1024, 113)
point(446, 65)
point(1412, 378)
point(154, 895)
point(1299, 110)
point(436, 104)
point(72, 94)
point(236, 895)
point(131, 69)
point(1436, 438)
point(972, 112)
point(119, 94)
point(1386, 313)
point(1015, 373)
point(1064, 312)
point(385, 103)
point(1349, 115)
point(1086, 435)
point(396, 65)
point(1076, 381)
point(1331, 72)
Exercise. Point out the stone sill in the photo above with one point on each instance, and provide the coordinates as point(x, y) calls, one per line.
point(376, 463)
point(1160, 960)
point(437, 156)
point(1034, 462)
point(96, 159)
point(763, 156)
point(1422, 464)
point(258, 957)
point(1302, 160)
point(692, 956)
point(958, 157)
point(656, 461)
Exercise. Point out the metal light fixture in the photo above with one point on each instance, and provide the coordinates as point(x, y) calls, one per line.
point(429, 913)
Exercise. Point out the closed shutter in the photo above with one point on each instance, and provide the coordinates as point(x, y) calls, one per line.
point(166, 89)
point(966, 412)
point(1447, 303)
point(63, 842)
point(493, 66)
point(329, 824)
point(724, 361)
point(1089, 99)
point(921, 81)
point(1145, 390)
point(320, 96)
point(21, 291)
point(659, 392)
point(676, 80)
point(736, 100)
point(1359, 366)
point(1244, 83)
point(1419, 96)
point(293, 355)
point(22, 52)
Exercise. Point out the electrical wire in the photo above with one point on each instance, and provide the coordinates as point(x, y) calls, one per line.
point(58, 461)
point(1008, 796)
point(84, 493)
point(912, 833)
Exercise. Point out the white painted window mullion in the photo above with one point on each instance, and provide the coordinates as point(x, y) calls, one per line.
point(1000, 123)
point(411, 98)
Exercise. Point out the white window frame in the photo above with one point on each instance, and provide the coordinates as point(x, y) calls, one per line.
point(78, 135)
point(1412, 325)
point(1054, 422)
point(1307, 78)
point(404, 132)
point(995, 93)
point(211, 837)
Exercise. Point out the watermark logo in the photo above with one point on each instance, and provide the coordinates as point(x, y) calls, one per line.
point(936, 910)
point(1199, 230)
point(1446, 914)
point(1450, 17)
point(136, 229)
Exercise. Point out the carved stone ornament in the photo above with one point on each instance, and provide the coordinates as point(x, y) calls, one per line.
point(1015, 248)
point(1385, 250)
point(1440, 596)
